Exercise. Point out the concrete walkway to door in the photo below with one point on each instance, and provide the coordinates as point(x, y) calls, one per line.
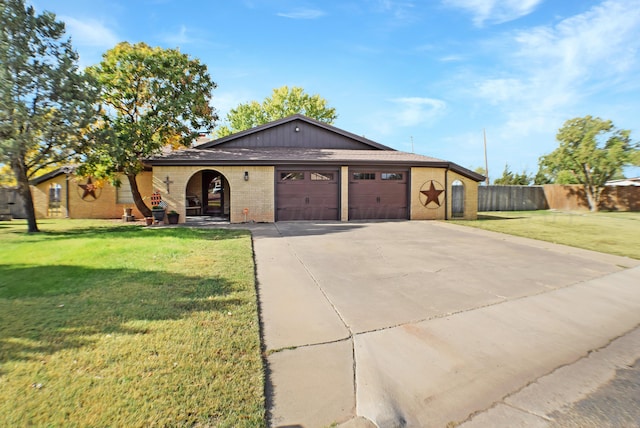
point(424, 323)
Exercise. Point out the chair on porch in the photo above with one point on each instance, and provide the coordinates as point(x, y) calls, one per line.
point(193, 206)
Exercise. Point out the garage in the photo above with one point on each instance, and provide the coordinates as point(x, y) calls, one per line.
point(376, 194)
point(298, 168)
point(307, 194)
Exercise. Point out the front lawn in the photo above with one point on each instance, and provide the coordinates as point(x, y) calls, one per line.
point(107, 324)
point(607, 232)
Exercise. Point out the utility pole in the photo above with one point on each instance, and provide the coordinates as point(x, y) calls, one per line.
point(486, 163)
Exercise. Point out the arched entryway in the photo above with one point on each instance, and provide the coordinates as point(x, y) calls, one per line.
point(208, 194)
point(457, 199)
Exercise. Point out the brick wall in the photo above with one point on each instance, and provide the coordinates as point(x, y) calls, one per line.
point(422, 177)
point(470, 196)
point(105, 206)
point(256, 194)
point(344, 193)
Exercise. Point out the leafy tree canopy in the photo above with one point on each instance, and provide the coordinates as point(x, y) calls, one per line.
point(591, 152)
point(45, 102)
point(151, 98)
point(513, 179)
point(6, 176)
point(282, 103)
point(480, 170)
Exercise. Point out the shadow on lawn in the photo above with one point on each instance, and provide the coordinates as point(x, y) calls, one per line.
point(128, 231)
point(496, 217)
point(310, 228)
point(68, 305)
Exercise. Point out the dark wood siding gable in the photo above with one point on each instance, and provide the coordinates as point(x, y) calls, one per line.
point(295, 131)
point(285, 135)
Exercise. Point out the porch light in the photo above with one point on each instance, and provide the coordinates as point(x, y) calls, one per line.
point(297, 129)
point(246, 176)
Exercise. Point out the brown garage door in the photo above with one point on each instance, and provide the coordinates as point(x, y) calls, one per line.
point(307, 194)
point(378, 194)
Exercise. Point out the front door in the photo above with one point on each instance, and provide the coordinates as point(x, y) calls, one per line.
point(213, 191)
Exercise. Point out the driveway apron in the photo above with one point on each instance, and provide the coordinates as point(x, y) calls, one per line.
point(424, 323)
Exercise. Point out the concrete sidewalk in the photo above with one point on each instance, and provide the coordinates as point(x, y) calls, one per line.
point(425, 323)
point(582, 394)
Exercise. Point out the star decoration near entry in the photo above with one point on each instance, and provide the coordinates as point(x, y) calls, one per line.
point(430, 193)
point(89, 190)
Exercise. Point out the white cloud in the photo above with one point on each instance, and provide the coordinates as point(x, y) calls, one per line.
point(584, 64)
point(552, 70)
point(90, 32)
point(414, 111)
point(399, 10)
point(451, 58)
point(601, 41)
point(225, 101)
point(494, 11)
point(406, 112)
point(498, 91)
point(302, 14)
point(180, 38)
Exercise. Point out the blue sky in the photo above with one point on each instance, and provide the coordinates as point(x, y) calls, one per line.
point(433, 72)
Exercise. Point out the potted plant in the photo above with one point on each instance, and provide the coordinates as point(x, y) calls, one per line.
point(173, 217)
point(158, 213)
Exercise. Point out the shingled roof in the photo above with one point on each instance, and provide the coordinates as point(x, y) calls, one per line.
point(284, 156)
point(298, 140)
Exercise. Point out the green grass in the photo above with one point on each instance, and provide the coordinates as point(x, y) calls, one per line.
point(105, 324)
point(615, 233)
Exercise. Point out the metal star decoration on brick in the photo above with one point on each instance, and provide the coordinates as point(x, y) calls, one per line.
point(432, 194)
point(89, 189)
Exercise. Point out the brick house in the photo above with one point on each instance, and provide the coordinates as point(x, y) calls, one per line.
point(298, 168)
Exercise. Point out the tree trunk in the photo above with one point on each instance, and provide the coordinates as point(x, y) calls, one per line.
point(20, 171)
point(137, 198)
point(593, 197)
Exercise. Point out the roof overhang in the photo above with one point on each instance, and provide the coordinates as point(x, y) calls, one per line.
point(319, 157)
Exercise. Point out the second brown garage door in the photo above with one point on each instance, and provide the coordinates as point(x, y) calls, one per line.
point(307, 194)
point(378, 194)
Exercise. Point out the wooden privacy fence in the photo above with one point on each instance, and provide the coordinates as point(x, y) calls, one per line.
point(11, 204)
point(555, 196)
point(613, 198)
point(511, 198)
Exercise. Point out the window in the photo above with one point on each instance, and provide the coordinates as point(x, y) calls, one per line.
point(364, 175)
point(391, 176)
point(55, 196)
point(123, 193)
point(321, 176)
point(291, 176)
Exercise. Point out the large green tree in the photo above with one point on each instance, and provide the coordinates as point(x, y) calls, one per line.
point(45, 102)
point(591, 152)
point(151, 98)
point(284, 101)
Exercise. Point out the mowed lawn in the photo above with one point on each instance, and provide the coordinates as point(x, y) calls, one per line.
point(106, 324)
point(615, 233)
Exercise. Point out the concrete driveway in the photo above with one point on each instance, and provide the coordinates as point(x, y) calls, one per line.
point(421, 324)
